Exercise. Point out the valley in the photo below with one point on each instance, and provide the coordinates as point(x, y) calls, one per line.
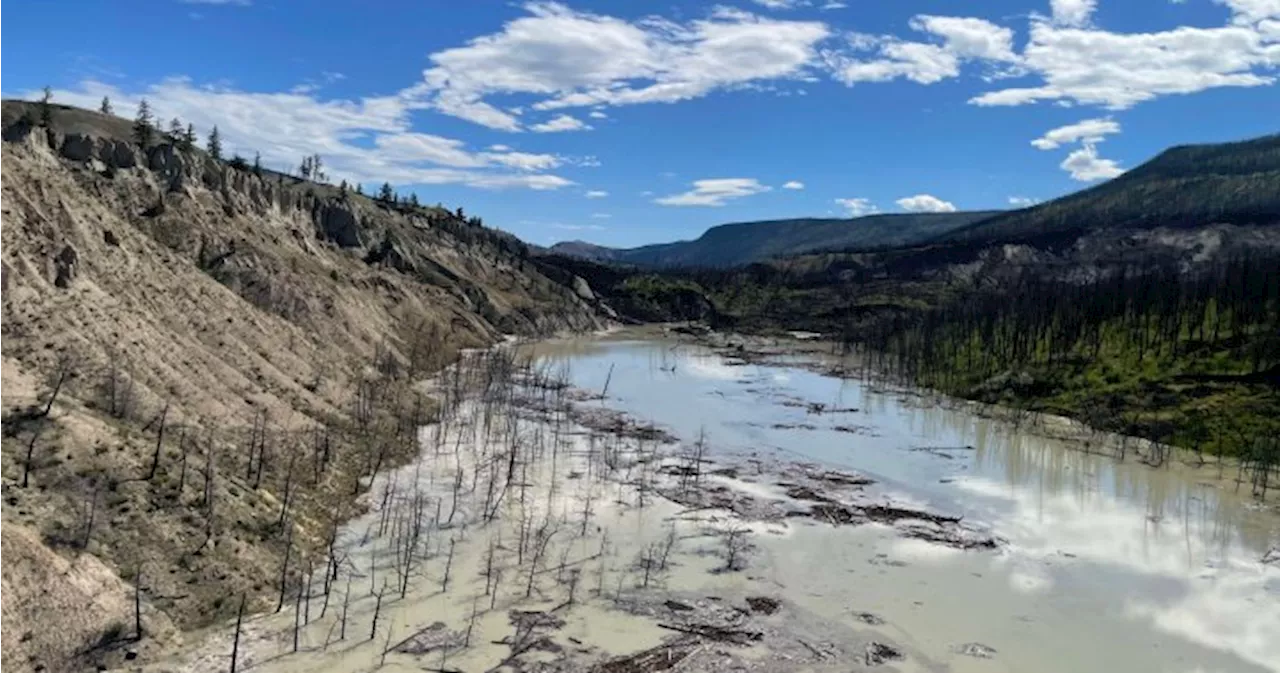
point(256, 421)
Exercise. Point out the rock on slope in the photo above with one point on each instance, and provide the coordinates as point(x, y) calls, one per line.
point(187, 294)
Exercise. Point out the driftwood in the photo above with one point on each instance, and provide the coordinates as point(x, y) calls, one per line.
point(664, 657)
point(717, 633)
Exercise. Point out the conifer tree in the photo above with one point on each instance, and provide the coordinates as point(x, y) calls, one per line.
point(106, 108)
point(215, 144)
point(143, 128)
point(46, 109)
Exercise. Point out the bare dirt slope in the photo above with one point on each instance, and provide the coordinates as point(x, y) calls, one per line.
point(205, 316)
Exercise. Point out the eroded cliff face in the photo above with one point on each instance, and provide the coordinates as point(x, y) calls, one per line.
point(219, 296)
point(108, 245)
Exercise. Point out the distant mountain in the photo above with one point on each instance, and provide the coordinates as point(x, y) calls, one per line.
point(1187, 186)
point(747, 242)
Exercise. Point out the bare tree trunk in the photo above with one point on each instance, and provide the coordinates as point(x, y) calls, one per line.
point(155, 457)
point(93, 511)
point(66, 363)
point(284, 566)
point(377, 609)
point(182, 475)
point(31, 447)
point(235, 645)
point(297, 617)
point(137, 605)
point(346, 601)
point(448, 566)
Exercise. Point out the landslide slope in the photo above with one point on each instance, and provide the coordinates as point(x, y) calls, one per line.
point(198, 314)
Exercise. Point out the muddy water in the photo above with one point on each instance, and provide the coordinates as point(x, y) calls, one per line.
point(1109, 565)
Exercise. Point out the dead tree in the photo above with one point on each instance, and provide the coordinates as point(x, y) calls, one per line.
point(377, 609)
point(448, 566)
point(288, 490)
point(93, 511)
point(235, 644)
point(31, 449)
point(284, 565)
point(182, 472)
point(735, 544)
point(297, 616)
point(137, 605)
point(155, 456)
point(346, 602)
point(63, 371)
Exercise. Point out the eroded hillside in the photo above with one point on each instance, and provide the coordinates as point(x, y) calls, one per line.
point(232, 350)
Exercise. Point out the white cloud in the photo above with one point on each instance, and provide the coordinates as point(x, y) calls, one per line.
point(564, 58)
point(1072, 12)
point(1022, 201)
point(286, 126)
point(833, 4)
point(499, 148)
point(1119, 70)
point(1085, 165)
point(793, 184)
point(597, 114)
point(560, 124)
point(1251, 11)
point(781, 4)
point(925, 203)
point(714, 192)
point(961, 39)
point(857, 207)
point(597, 194)
point(578, 227)
point(523, 160)
point(600, 216)
point(1087, 131)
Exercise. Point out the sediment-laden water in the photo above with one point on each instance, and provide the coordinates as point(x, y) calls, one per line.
point(1108, 565)
point(879, 530)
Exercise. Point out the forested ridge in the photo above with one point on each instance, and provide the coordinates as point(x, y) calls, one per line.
point(1191, 185)
point(1187, 359)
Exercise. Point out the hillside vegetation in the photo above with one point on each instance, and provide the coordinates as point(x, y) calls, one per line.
point(203, 365)
point(1189, 186)
point(1147, 305)
point(746, 242)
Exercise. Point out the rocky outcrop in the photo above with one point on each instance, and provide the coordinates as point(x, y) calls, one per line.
point(65, 267)
point(339, 224)
point(77, 147)
point(582, 289)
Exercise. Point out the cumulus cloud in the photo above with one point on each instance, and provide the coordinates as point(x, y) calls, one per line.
point(857, 207)
point(564, 58)
point(1022, 201)
point(793, 184)
point(1085, 165)
point(956, 40)
point(714, 192)
point(1088, 131)
point(559, 124)
point(596, 194)
point(1072, 12)
point(925, 203)
point(285, 126)
point(1090, 66)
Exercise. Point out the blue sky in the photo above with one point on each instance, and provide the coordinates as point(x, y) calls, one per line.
point(625, 123)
